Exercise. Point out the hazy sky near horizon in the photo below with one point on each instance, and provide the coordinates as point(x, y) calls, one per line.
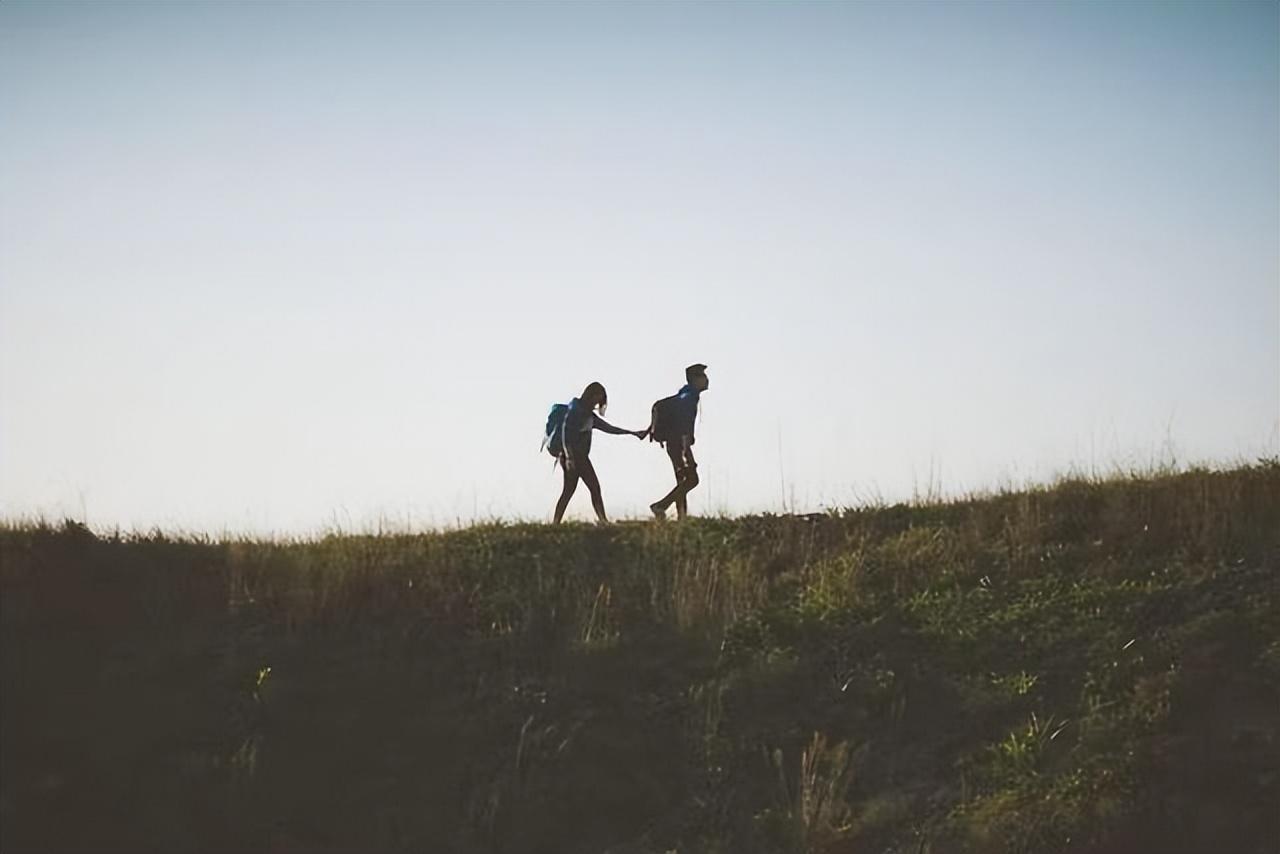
point(275, 267)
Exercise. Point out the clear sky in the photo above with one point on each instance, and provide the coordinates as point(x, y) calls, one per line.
point(280, 267)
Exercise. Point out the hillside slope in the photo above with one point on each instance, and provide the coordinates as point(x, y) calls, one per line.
point(1091, 667)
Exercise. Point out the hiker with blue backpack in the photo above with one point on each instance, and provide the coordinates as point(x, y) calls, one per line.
point(672, 425)
point(568, 439)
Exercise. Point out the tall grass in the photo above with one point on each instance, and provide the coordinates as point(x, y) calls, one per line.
point(1084, 666)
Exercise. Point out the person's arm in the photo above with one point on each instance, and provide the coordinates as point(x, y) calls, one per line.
point(606, 427)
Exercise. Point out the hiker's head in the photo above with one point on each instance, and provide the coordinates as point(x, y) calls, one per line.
point(595, 397)
point(696, 376)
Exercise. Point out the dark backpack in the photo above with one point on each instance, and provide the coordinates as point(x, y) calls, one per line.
point(664, 419)
point(553, 438)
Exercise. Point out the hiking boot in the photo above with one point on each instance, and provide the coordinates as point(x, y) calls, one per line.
point(659, 512)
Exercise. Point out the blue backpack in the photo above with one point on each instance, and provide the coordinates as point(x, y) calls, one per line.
point(553, 437)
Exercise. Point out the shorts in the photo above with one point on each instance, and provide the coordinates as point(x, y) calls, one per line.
point(680, 452)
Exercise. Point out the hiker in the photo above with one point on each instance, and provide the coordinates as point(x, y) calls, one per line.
point(672, 425)
point(569, 429)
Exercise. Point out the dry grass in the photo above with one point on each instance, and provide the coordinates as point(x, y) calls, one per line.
point(695, 687)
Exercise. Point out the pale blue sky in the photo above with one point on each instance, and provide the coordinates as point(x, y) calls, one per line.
point(272, 267)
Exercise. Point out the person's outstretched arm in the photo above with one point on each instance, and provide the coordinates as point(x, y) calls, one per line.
point(605, 426)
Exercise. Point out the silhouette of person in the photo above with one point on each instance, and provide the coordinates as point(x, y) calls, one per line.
point(579, 422)
point(679, 442)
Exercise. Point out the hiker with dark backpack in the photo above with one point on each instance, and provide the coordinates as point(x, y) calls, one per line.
point(672, 425)
point(568, 439)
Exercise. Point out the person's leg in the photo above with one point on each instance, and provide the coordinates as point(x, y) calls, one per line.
point(570, 484)
point(588, 474)
point(688, 480)
point(660, 506)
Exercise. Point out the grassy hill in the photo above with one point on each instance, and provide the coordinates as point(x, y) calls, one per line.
point(1091, 667)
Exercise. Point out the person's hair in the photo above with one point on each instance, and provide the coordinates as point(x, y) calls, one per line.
point(597, 389)
point(694, 371)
